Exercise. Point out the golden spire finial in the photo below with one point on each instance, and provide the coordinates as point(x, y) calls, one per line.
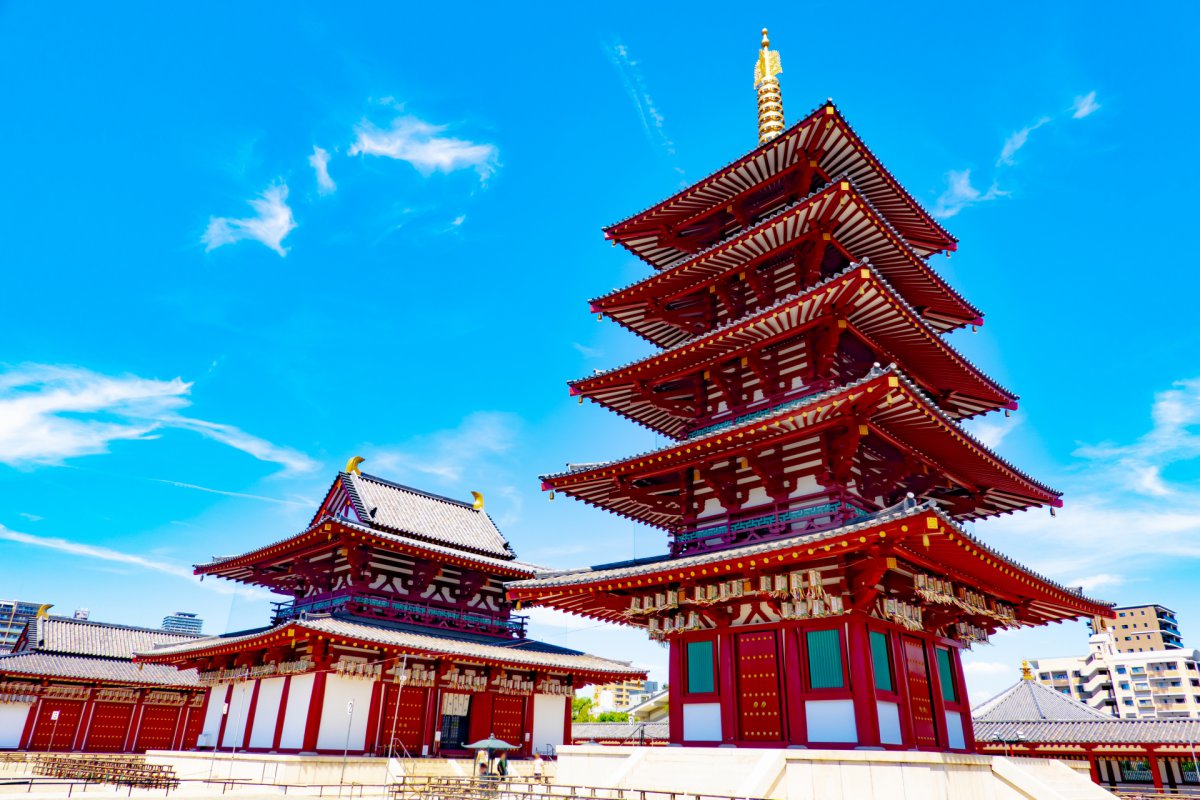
point(770, 101)
point(352, 465)
point(1026, 672)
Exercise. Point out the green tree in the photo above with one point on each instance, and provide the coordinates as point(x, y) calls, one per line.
point(581, 709)
point(613, 716)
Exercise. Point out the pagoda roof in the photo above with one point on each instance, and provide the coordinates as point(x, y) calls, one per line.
point(876, 312)
point(514, 653)
point(890, 401)
point(824, 131)
point(840, 209)
point(951, 550)
point(385, 505)
point(242, 567)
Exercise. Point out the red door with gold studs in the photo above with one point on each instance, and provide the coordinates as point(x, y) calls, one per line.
point(403, 719)
point(759, 712)
point(920, 692)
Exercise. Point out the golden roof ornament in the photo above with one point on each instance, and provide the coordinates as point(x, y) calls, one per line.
point(352, 465)
point(770, 101)
point(1026, 672)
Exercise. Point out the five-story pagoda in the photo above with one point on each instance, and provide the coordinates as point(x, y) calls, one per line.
point(819, 584)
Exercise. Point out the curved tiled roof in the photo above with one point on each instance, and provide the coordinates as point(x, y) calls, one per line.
point(1030, 701)
point(104, 639)
point(525, 652)
point(1111, 731)
point(618, 731)
point(109, 670)
point(424, 515)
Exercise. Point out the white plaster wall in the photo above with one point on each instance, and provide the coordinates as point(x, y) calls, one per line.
point(12, 723)
point(239, 708)
point(831, 721)
point(212, 717)
point(889, 723)
point(340, 690)
point(702, 722)
point(549, 718)
point(295, 714)
point(266, 712)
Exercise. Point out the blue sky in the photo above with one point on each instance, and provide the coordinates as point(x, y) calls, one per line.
point(241, 244)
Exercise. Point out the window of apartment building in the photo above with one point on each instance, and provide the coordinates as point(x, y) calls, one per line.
point(1125, 686)
point(1120, 670)
point(1122, 614)
point(1128, 701)
point(1044, 676)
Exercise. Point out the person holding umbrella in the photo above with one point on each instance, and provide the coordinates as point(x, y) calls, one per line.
point(492, 745)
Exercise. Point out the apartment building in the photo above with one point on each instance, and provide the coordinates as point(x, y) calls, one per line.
point(1139, 629)
point(1149, 684)
point(14, 615)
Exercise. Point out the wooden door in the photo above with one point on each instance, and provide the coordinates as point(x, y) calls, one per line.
point(156, 731)
point(759, 711)
point(403, 720)
point(920, 692)
point(52, 734)
point(508, 718)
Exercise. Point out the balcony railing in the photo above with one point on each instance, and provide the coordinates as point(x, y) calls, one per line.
point(402, 611)
point(753, 525)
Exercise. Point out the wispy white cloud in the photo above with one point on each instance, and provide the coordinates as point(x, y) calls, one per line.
point(449, 454)
point(272, 222)
point(587, 352)
point(1016, 141)
point(1121, 509)
point(458, 221)
point(960, 193)
point(988, 668)
point(226, 493)
point(49, 414)
point(422, 145)
point(107, 554)
point(30, 517)
point(1101, 580)
point(991, 432)
point(635, 85)
point(319, 161)
point(1084, 106)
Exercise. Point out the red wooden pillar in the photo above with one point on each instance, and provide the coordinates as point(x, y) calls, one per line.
point(793, 686)
point(727, 694)
point(862, 682)
point(678, 690)
point(935, 686)
point(282, 713)
point(85, 721)
point(250, 712)
point(312, 725)
point(527, 723)
point(30, 723)
point(135, 721)
point(374, 709)
point(1154, 770)
point(224, 716)
point(433, 719)
point(1093, 766)
point(569, 714)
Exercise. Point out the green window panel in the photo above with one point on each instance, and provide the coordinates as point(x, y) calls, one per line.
point(700, 677)
point(946, 675)
point(825, 660)
point(881, 662)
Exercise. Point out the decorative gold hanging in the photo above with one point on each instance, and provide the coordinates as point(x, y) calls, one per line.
point(766, 83)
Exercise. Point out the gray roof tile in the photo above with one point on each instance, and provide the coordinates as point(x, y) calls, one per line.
point(109, 670)
point(1029, 701)
point(425, 516)
point(619, 731)
point(88, 638)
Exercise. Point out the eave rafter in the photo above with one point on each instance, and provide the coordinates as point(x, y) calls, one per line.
point(857, 302)
point(884, 406)
point(785, 251)
point(823, 136)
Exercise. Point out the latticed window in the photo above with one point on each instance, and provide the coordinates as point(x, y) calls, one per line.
point(825, 660)
point(946, 675)
point(881, 662)
point(701, 678)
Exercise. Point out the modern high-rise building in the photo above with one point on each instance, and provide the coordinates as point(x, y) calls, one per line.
point(14, 615)
point(1150, 684)
point(1140, 629)
point(182, 622)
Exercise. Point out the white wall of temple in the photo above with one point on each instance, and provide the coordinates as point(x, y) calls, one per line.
point(296, 712)
point(12, 723)
point(236, 717)
point(266, 712)
point(340, 729)
point(212, 717)
point(549, 721)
